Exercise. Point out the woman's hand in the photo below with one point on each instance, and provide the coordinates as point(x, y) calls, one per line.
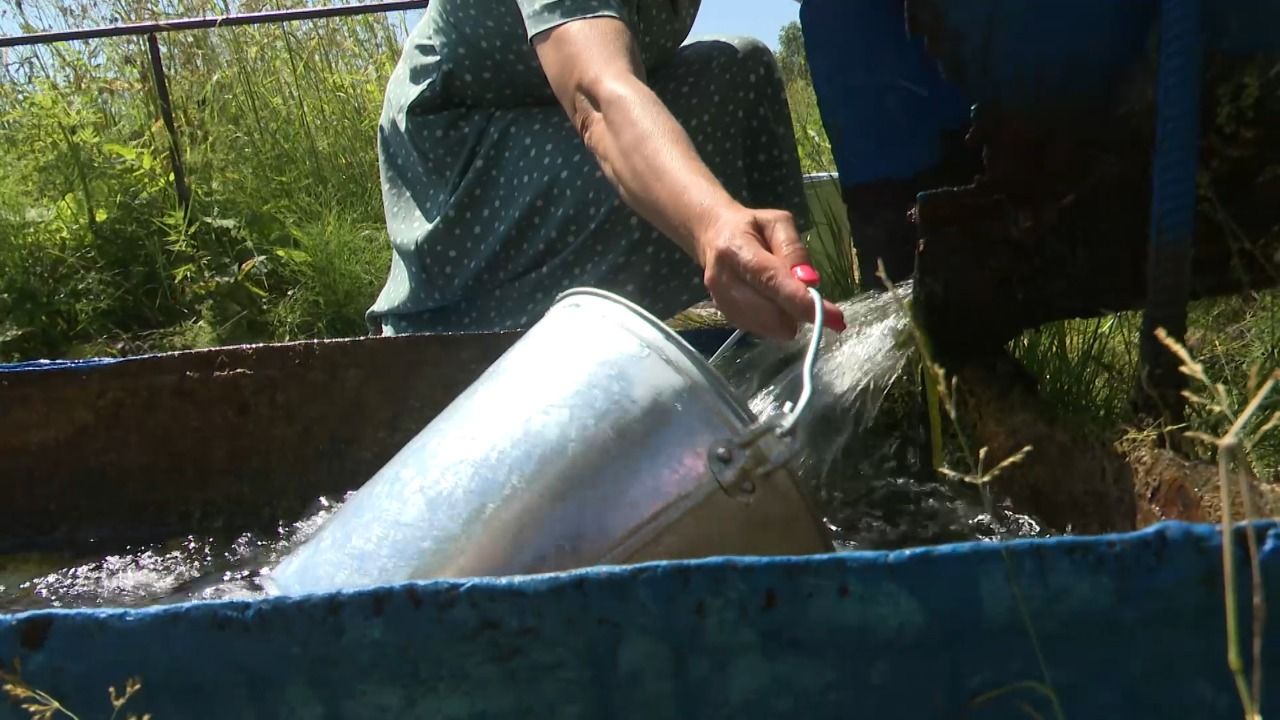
point(593, 66)
point(747, 256)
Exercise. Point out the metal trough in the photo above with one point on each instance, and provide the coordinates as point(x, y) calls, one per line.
point(103, 453)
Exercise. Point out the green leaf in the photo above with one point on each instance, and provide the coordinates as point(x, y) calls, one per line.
point(293, 255)
point(119, 150)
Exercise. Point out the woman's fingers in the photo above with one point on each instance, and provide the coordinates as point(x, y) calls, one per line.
point(775, 279)
point(749, 310)
point(751, 274)
point(781, 237)
point(833, 317)
point(760, 296)
point(783, 241)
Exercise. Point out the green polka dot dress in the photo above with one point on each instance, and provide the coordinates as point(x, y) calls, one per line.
point(493, 203)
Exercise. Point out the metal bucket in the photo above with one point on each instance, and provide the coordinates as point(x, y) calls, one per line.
point(600, 437)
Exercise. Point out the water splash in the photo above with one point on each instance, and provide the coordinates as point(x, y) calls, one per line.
point(180, 570)
point(863, 456)
point(854, 373)
point(863, 438)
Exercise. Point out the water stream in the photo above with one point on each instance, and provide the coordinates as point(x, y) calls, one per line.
point(864, 437)
point(180, 570)
point(864, 457)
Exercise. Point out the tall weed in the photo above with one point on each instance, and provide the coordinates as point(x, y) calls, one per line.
point(277, 129)
point(1087, 368)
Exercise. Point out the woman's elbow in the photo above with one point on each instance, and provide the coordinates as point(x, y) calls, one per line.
point(598, 97)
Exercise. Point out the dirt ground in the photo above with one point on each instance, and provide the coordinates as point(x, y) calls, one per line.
point(1077, 481)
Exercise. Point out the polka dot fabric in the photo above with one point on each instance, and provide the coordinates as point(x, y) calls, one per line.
point(493, 203)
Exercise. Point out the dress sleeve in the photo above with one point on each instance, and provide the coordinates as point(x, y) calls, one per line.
point(543, 15)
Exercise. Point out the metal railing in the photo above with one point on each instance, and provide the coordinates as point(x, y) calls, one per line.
point(152, 29)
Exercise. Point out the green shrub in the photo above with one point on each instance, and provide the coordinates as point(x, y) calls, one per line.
point(276, 125)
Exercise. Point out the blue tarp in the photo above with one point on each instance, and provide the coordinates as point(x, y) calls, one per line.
point(1128, 626)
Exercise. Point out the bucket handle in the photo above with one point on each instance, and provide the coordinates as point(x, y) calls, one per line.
point(735, 461)
point(796, 411)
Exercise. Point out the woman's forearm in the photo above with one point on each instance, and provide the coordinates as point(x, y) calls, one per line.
point(593, 68)
point(649, 158)
point(747, 254)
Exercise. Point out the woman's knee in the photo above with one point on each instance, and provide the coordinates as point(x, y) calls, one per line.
point(752, 53)
point(731, 57)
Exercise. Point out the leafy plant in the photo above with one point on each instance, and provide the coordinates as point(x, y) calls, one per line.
point(277, 124)
point(811, 138)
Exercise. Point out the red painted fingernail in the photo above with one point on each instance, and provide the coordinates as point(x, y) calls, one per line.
point(806, 274)
point(835, 321)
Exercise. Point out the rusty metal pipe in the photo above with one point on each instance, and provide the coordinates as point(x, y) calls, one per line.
point(166, 113)
point(217, 21)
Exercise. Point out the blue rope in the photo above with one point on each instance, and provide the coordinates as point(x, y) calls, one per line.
point(1173, 202)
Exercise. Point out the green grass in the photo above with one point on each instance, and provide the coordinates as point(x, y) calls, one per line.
point(1236, 340)
point(829, 243)
point(1087, 368)
point(277, 123)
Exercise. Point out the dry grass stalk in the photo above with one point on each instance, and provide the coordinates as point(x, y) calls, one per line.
point(43, 706)
point(1233, 464)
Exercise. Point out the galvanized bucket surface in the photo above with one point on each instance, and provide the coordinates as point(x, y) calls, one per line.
point(563, 455)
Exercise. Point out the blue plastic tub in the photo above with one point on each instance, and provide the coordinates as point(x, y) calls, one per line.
point(1128, 627)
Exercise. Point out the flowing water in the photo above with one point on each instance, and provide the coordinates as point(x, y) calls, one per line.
point(864, 436)
point(864, 456)
point(183, 569)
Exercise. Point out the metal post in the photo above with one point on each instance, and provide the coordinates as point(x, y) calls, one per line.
point(1173, 201)
point(150, 29)
point(166, 113)
point(212, 22)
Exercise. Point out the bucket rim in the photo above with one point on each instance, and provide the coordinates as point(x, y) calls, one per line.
point(714, 381)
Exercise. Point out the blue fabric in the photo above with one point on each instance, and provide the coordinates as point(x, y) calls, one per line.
point(1176, 160)
point(882, 99)
point(1048, 63)
point(1049, 57)
point(1129, 626)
